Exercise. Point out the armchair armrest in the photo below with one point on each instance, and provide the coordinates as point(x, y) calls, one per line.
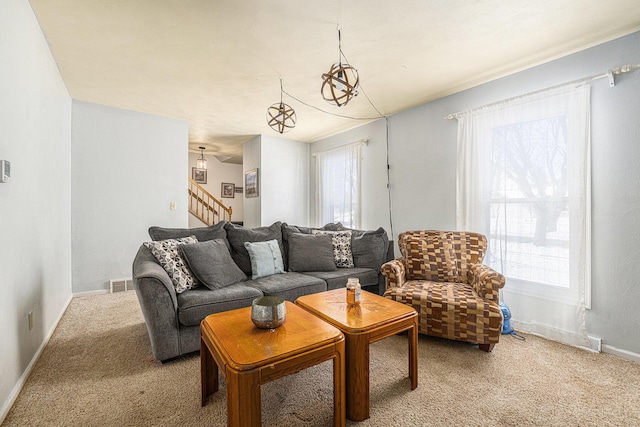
point(486, 281)
point(394, 272)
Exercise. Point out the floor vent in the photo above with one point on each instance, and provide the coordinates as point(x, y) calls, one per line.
point(595, 344)
point(120, 285)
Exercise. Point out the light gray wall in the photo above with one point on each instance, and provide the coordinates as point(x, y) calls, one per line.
point(283, 179)
point(375, 196)
point(127, 168)
point(251, 158)
point(217, 173)
point(35, 206)
point(423, 169)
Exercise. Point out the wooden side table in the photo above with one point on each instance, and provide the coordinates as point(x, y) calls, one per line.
point(248, 357)
point(373, 319)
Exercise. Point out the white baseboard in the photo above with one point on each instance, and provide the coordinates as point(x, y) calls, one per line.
point(4, 411)
point(87, 293)
point(629, 355)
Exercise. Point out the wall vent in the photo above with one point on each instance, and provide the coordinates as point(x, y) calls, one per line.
point(120, 285)
point(595, 344)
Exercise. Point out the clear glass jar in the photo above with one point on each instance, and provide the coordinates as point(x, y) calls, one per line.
point(353, 290)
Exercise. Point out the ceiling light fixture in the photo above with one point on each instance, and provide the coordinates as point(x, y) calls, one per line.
point(340, 84)
point(201, 163)
point(280, 116)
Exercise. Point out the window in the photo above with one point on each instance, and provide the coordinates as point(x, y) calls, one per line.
point(529, 201)
point(523, 180)
point(338, 185)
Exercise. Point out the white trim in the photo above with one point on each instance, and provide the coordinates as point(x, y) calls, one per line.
point(625, 354)
point(25, 375)
point(87, 293)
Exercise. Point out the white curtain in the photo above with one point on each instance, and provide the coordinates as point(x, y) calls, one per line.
point(523, 180)
point(338, 185)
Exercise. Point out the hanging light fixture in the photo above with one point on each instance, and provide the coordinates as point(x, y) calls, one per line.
point(340, 84)
point(201, 163)
point(280, 116)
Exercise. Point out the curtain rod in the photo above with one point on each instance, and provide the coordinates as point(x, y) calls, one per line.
point(610, 74)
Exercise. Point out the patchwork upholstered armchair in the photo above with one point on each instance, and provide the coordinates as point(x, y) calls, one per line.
point(441, 275)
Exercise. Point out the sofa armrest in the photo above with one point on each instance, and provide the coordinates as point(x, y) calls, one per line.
point(145, 266)
point(394, 272)
point(486, 281)
point(159, 305)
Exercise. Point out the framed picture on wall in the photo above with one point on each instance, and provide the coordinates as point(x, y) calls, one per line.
point(251, 187)
point(228, 190)
point(199, 175)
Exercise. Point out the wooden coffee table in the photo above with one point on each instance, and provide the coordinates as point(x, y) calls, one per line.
point(373, 319)
point(248, 357)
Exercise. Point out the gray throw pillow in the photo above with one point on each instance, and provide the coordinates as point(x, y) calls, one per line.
point(266, 258)
point(369, 248)
point(216, 231)
point(211, 263)
point(311, 252)
point(238, 235)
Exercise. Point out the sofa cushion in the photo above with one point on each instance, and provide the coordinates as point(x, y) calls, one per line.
point(196, 304)
point(216, 231)
point(311, 252)
point(429, 257)
point(170, 258)
point(237, 235)
point(341, 247)
point(338, 278)
point(265, 257)
point(369, 248)
point(289, 285)
point(211, 263)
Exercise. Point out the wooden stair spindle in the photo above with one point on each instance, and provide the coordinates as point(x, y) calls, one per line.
point(205, 207)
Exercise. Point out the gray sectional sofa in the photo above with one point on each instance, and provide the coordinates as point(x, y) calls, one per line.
point(173, 318)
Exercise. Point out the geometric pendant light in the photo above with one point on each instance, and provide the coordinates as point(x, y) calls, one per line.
point(280, 116)
point(340, 84)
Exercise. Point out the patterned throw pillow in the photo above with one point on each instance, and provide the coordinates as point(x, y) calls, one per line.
point(170, 258)
point(341, 247)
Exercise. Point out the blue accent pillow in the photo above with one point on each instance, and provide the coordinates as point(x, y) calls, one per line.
point(266, 258)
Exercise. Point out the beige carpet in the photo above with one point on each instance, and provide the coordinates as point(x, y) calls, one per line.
point(97, 370)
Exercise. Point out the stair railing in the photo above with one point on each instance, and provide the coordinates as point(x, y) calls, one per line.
point(205, 207)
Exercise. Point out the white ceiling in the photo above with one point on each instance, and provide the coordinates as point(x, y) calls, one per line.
point(217, 63)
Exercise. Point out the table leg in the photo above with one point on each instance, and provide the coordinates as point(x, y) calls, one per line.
point(357, 376)
point(243, 399)
point(208, 373)
point(339, 395)
point(413, 353)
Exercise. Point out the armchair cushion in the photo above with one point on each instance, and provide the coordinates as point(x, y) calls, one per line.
point(429, 257)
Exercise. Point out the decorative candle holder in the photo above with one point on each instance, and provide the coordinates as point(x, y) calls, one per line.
point(268, 312)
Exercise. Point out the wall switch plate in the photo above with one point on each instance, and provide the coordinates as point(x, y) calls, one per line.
point(5, 170)
point(30, 320)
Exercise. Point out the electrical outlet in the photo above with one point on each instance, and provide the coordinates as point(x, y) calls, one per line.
point(30, 320)
point(172, 206)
